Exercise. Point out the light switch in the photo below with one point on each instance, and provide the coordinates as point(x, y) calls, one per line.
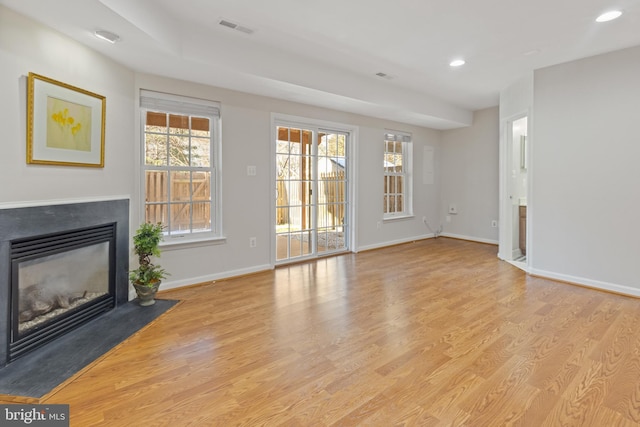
point(251, 170)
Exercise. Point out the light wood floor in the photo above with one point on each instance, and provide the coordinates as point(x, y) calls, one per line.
point(438, 332)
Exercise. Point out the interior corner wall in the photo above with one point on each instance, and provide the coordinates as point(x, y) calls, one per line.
point(26, 46)
point(586, 182)
point(469, 171)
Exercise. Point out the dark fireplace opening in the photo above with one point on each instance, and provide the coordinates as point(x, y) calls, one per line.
point(62, 266)
point(58, 282)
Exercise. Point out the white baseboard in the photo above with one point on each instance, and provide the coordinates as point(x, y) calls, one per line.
point(393, 242)
point(218, 276)
point(425, 236)
point(471, 238)
point(166, 285)
point(589, 283)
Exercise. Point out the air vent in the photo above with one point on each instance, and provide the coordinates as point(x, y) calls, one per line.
point(235, 26)
point(384, 75)
point(228, 24)
point(244, 29)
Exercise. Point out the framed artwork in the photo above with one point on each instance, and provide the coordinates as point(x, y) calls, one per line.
point(65, 124)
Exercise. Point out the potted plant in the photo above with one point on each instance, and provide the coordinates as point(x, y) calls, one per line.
point(147, 277)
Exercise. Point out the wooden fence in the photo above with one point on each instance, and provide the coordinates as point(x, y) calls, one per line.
point(183, 215)
point(332, 190)
point(331, 201)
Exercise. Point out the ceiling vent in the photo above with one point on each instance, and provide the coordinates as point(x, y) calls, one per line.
point(235, 26)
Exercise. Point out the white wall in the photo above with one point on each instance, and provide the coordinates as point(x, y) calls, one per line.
point(246, 128)
point(246, 139)
point(26, 46)
point(426, 201)
point(465, 160)
point(516, 99)
point(586, 183)
point(469, 170)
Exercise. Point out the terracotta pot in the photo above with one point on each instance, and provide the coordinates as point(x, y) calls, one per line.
point(147, 294)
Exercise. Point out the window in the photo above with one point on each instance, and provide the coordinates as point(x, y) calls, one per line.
point(397, 175)
point(180, 163)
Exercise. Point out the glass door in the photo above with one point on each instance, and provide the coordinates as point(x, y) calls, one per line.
point(332, 192)
point(311, 192)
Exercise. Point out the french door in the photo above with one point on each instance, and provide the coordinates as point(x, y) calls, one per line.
point(312, 200)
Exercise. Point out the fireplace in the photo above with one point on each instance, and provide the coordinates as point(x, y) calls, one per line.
point(62, 266)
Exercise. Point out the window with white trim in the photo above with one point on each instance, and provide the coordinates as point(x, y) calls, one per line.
point(397, 175)
point(181, 165)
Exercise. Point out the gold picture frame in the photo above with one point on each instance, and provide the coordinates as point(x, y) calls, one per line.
point(65, 124)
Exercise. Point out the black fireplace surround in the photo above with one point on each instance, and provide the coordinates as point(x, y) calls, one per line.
point(81, 224)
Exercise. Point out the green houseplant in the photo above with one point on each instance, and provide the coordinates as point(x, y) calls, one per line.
point(147, 277)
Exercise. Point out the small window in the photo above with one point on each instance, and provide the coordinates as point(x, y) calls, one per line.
point(180, 162)
point(397, 175)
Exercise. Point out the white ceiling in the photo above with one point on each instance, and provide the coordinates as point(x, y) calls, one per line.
point(327, 53)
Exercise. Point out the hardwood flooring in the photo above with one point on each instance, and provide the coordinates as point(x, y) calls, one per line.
point(433, 333)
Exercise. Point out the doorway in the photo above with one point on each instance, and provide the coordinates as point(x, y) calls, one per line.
point(514, 207)
point(312, 192)
point(519, 188)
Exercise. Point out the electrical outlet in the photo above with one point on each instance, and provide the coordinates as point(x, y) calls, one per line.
point(494, 223)
point(448, 218)
point(253, 242)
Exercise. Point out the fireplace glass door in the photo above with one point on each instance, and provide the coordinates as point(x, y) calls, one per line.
point(58, 283)
point(52, 285)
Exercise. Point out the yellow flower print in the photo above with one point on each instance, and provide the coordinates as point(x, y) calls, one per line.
point(65, 120)
point(68, 125)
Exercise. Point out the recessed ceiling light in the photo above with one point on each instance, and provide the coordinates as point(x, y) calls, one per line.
point(609, 16)
point(107, 36)
point(457, 63)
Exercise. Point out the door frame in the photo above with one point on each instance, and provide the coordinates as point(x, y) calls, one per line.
point(278, 119)
point(506, 233)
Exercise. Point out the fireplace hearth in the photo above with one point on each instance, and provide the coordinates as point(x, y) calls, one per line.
point(60, 267)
